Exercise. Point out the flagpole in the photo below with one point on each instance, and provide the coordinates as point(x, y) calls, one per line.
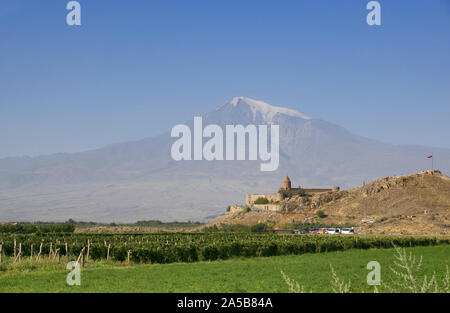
point(432, 162)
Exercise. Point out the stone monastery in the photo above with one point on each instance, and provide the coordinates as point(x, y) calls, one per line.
point(273, 199)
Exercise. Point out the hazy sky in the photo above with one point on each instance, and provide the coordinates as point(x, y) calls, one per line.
point(136, 68)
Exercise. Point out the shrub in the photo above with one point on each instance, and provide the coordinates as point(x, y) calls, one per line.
point(38, 228)
point(246, 209)
point(259, 228)
point(285, 193)
point(321, 214)
point(261, 200)
point(301, 192)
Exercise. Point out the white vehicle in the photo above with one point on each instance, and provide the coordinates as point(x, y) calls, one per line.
point(348, 231)
point(333, 231)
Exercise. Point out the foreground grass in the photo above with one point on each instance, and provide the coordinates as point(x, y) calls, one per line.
point(312, 271)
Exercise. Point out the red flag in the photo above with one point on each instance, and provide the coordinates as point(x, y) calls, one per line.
point(430, 157)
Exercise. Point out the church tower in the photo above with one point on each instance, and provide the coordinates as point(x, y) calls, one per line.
point(287, 183)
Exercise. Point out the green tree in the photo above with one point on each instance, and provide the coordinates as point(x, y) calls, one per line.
point(261, 200)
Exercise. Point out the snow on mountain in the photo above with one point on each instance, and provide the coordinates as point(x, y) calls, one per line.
point(266, 110)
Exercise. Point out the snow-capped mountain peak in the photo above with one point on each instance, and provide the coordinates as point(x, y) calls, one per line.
point(266, 110)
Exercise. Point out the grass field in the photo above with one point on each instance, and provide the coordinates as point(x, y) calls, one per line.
point(312, 271)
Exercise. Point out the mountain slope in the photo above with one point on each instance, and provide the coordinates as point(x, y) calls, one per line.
point(139, 180)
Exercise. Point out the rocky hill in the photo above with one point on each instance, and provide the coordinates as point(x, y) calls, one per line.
point(413, 204)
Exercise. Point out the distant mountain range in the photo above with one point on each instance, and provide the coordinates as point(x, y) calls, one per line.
point(138, 180)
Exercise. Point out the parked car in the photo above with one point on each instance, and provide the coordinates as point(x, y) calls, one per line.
point(319, 231)
point(348, 231)
point(333, 231)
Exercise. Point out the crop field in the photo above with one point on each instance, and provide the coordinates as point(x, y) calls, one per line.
point(188, 247)
point(206, 262)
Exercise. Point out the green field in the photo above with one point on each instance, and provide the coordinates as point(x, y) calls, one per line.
point(258, 274)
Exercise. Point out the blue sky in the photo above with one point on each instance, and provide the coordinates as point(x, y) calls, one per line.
point(136, 68)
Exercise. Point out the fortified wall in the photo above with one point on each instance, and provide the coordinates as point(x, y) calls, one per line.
point(275, 198)
point(272, 197)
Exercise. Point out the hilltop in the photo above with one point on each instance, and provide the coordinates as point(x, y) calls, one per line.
point(411, 204)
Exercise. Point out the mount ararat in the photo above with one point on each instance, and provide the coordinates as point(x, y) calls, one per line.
point(138, 180)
